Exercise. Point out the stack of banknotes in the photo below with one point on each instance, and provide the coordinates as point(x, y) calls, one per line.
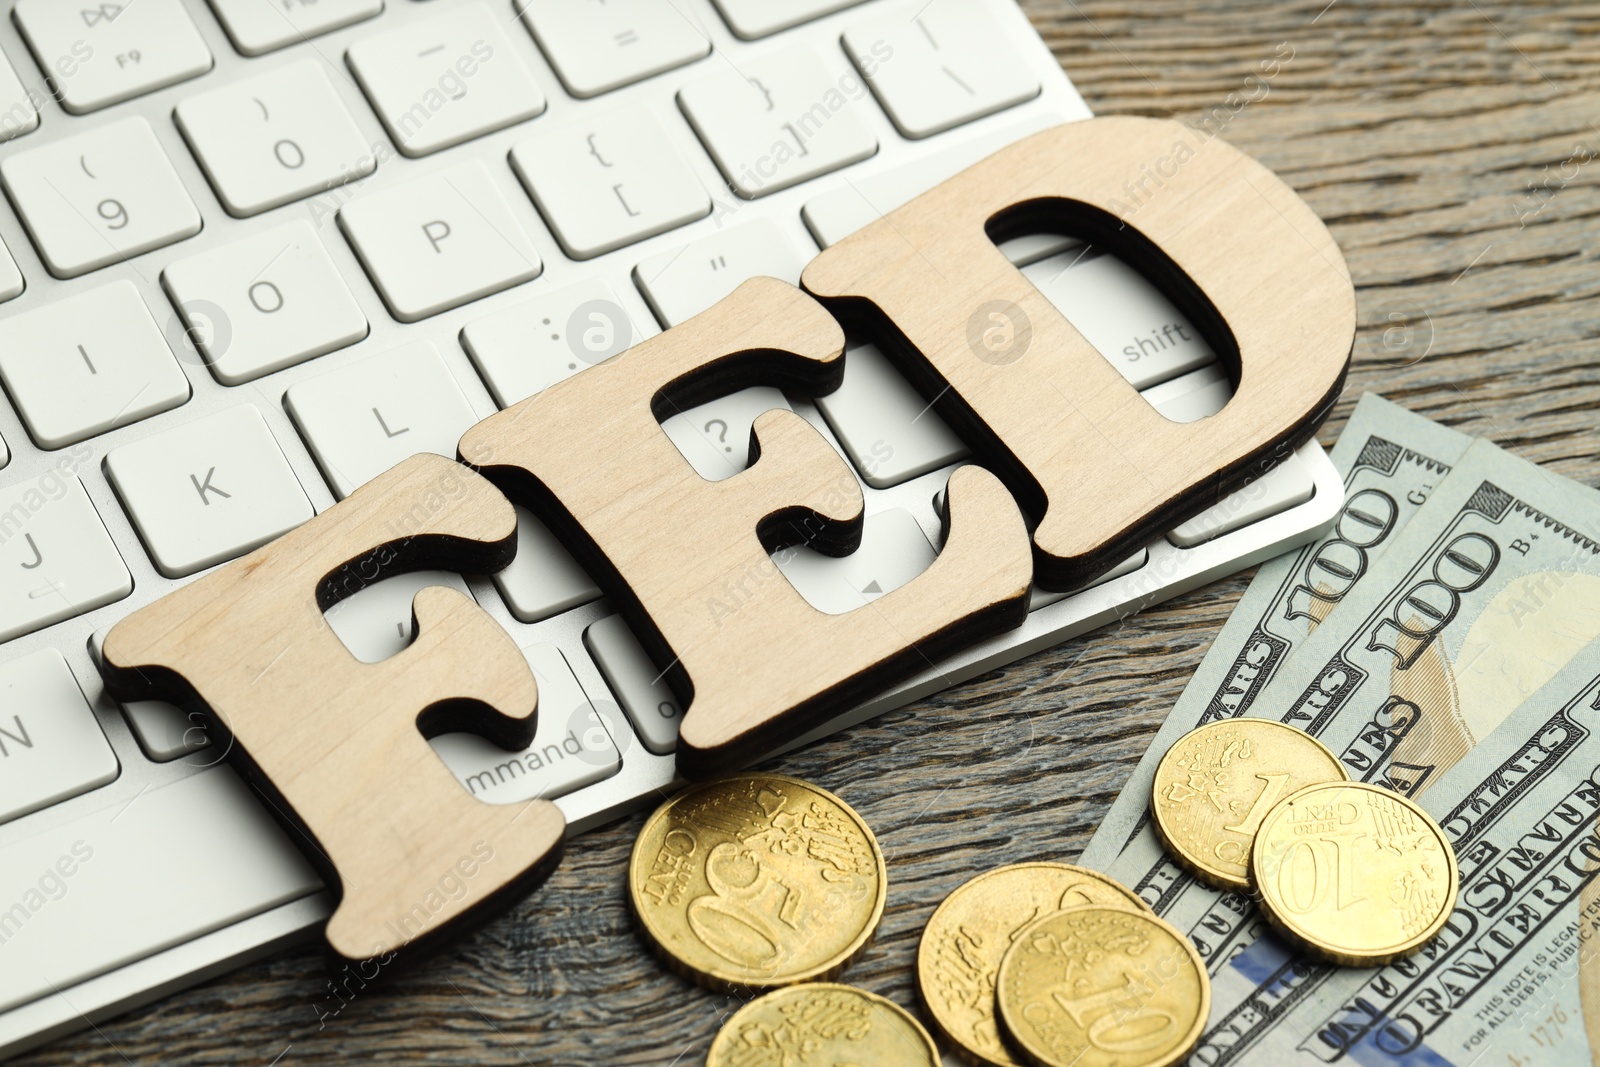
point(1443, 641)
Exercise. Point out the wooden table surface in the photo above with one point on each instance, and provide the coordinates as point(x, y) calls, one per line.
point(1417, 130)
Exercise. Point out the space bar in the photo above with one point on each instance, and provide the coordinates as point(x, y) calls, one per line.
point(137, 877)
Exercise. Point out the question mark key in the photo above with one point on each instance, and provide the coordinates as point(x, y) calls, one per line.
point(715, 437)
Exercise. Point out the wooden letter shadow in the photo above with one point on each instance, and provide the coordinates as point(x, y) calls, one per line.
point(1236, 250)
point(686, 560)
point(339, 746)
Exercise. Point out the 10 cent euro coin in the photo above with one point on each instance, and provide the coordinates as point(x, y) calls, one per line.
point(1101, 986)
point(757, 881)
point(1353, 873)
point(1216, 784)
point(965, 939)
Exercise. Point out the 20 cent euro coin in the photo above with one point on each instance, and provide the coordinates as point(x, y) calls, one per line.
point(1216, 783)
point(822, 1023)
point(757, 881)
point(1100, 986)
point(1353, 873)
point(966, 937)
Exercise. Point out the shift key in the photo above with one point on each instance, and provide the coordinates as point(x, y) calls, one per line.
point(1117, 310)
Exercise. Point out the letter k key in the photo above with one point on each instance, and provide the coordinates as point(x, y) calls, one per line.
point(204, 487)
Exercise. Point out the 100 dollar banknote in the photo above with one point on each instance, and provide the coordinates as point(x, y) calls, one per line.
point(1514, 976)
point(1391, 461)
point(1488, 593)
point(1482, 598)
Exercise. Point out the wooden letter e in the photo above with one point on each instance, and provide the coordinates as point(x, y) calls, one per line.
point(685, 560)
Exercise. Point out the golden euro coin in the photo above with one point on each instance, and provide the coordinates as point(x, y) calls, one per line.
point(1098, 986)
point(1216, 784)
point(822, 1023)
point(757, 881)
point(1353, 873)
point(969, 933)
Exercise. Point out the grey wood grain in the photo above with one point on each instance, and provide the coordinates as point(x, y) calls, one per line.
point(1416, 129)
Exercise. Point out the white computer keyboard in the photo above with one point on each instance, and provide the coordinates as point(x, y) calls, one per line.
point(255, 252)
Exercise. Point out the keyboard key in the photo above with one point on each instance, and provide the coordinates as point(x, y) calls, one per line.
point(446, 78)
point(166, 732)
point(1041, 598)
point(890, 433)
point(51, 748)
point(99, 54)
point(375, 622)
point(57, 559)
point(608, 181)
point(1281, 488)
point(529, 347)
point(100, 197)
point(715, 436)
point(1121, 314)
point(143, 874)
point(277, 137)
point(598, 49)
point(438, 242)
point(758, 18)
point(939, 65)
point(1206, 392)
point(87, 364)
point(777, 122)
point(365, 417)
point(571, 749)
point(18, 115)
point(208, 491)
point(264, 303)
point(11, 284)
point(893, 551)
point(685, 281)
point(639, 687)
point(544, 579)
point(260, 26)
point(1192, 396)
